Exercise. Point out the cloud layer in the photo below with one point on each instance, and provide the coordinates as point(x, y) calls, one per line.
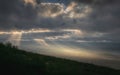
point(87, 24)
point(97, 19)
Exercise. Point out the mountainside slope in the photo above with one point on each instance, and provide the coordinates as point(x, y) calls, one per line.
point(14, 61)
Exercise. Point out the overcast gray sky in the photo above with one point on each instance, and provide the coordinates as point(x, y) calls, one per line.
point(82, 30)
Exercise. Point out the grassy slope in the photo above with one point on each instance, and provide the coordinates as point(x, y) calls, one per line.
point(18, 62)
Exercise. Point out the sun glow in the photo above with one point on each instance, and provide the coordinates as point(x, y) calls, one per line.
point(33, 2)
point(70, 7)
point(75, 52)
point(56, 49)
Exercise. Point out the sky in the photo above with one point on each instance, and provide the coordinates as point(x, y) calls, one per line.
point(81, 30)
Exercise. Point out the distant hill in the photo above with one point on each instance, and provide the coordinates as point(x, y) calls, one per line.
point(14, 61)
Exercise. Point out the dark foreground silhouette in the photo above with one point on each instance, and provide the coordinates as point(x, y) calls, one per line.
point(14, 61)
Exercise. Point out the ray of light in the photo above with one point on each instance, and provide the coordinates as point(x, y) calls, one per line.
point(15, 38)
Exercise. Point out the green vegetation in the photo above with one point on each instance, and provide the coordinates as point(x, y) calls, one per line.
point(14, 61)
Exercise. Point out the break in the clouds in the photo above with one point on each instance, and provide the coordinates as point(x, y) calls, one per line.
point(91, 26)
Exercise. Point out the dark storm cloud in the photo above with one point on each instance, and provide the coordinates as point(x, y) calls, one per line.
point(15, 12)
point(104, 17)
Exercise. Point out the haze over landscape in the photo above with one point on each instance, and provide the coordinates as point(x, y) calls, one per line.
point(81, 30)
